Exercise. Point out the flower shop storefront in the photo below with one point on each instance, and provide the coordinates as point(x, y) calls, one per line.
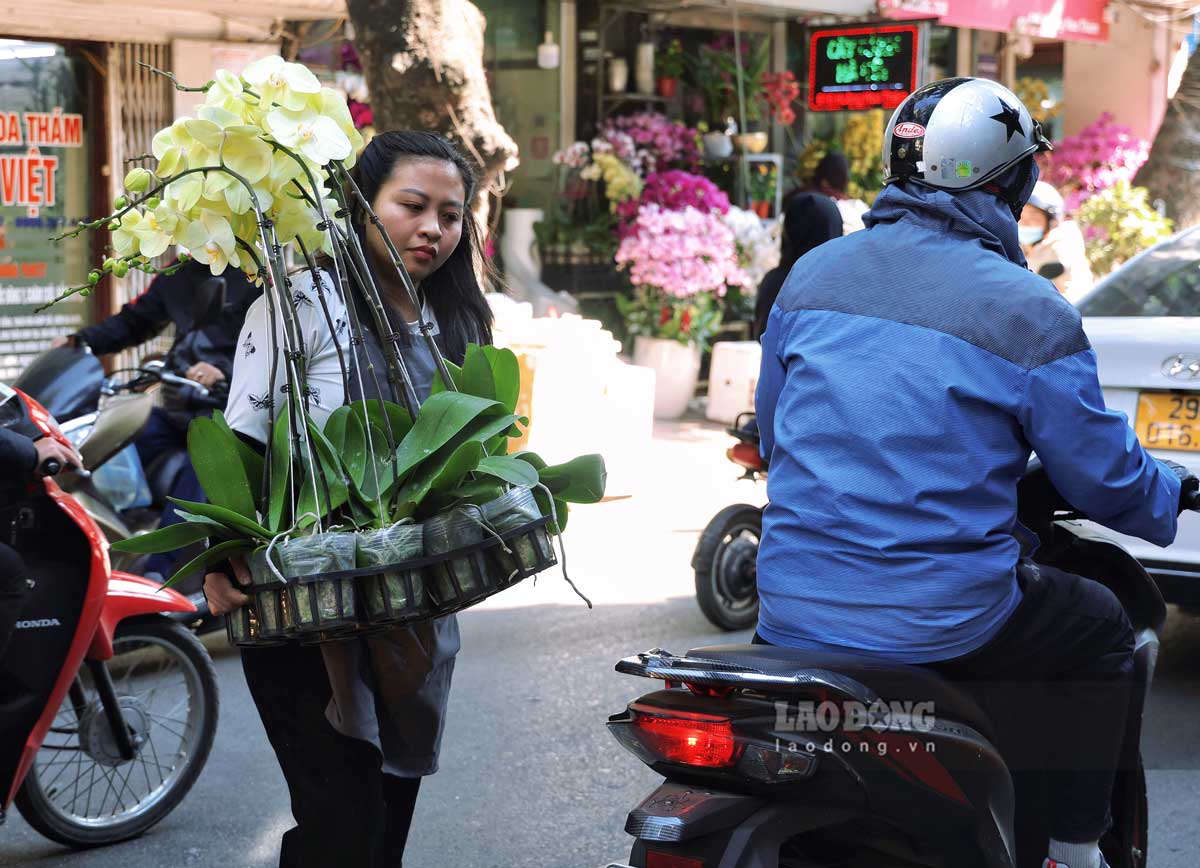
point(668, 205)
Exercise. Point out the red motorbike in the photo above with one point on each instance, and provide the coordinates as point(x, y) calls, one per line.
point(726, 557)
point(109, 706)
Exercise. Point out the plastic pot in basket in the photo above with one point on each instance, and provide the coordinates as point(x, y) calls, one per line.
point(273, 614)
point(241, 626)
point(319, 603)
point(394, 595)
point(527, 553)
point(457, 580)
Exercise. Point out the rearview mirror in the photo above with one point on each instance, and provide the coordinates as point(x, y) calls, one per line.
point(1051, 270)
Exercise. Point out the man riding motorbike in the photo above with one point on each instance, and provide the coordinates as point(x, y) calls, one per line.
point(23, 451)
point(908, 371)
point(207, 314)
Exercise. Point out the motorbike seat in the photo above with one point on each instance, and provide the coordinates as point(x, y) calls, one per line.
point(888, 680)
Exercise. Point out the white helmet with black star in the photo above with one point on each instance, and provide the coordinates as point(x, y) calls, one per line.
point(960, 134)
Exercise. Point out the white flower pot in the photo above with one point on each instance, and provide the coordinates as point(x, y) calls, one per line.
point(676, 369)
point(618, 75)
point(717, 146)
point(644, 71)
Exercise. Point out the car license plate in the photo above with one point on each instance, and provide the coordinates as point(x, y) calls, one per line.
point(1169, 420)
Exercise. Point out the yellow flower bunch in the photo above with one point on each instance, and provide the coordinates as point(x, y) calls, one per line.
point(260, 142)
point(621, 183)
point(862, 142)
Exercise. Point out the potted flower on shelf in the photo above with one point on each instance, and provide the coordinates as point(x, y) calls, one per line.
point(679, 262)
point(763, 178)
point(669, 68)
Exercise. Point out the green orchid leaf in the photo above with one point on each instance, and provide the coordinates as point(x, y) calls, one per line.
point(379, 473)
point(511, 470)
point(506, 375)
point(210, 556)
point(531, 458)
point(217, 529)
point(227, 517)
point(438, 386)
point(442, 472)
point(442, 416)
point(252, 461)
point(335, 428)
point(281, 470)
point(383, 414)
point(218, 467)
point(353, 450)
point(477, 376)
point(580, 480)
point(325, 488)
point(165, 539)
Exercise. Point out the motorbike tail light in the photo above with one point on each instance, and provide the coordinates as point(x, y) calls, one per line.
point(655, 859)
point(702, 740)
point(745, 455)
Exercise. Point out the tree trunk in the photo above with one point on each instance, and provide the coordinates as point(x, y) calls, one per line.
point(423, 61)
point(1172, 173)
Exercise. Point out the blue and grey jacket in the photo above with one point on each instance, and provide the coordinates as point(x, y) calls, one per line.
point(907, 373)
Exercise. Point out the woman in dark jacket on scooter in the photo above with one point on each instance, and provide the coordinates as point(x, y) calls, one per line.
point(356, 724)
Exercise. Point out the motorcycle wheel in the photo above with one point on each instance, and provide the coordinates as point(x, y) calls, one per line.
point(726, 565)
point(80, 791)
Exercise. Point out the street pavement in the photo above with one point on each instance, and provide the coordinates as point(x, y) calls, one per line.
point(529, 775)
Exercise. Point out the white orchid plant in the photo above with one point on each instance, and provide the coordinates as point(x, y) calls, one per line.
point(263, 164)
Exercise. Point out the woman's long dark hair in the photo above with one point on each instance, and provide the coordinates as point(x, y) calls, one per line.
point(453, 291)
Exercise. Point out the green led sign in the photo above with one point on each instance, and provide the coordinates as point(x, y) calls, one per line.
point(861, 67)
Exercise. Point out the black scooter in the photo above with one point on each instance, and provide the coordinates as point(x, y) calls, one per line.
point(897, 785)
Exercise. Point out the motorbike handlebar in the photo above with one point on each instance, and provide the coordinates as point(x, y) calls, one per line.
point(183, 381)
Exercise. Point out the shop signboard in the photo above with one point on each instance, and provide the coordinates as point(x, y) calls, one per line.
point(1077, 20)
point(855, 68)
point(45, 186)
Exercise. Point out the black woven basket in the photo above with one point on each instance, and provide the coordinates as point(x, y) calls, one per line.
point(330, 607)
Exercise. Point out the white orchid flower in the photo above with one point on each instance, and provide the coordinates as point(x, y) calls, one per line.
point(156, 230)
point(124, 239)
point(278, 82)
point(315, 137)
point(211, 241)
point(225, 86)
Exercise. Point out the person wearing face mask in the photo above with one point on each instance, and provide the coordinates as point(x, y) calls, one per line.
point(1054, 245)
point(355, 725)
point(908, 372)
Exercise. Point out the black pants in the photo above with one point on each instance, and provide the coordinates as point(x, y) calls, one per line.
point(348, 813)
point(1055, 682)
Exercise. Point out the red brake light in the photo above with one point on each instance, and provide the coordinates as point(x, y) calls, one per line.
point(655, 859)
point(692, 739)
point(745, 455)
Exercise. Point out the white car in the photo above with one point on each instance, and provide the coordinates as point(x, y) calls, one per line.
point(1144, 323)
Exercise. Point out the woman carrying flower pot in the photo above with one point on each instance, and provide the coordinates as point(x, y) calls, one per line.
point(356, 724)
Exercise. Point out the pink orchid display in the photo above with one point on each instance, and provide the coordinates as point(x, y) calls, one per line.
point(1095, 159)
point(680, 253)
point(660, 142)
